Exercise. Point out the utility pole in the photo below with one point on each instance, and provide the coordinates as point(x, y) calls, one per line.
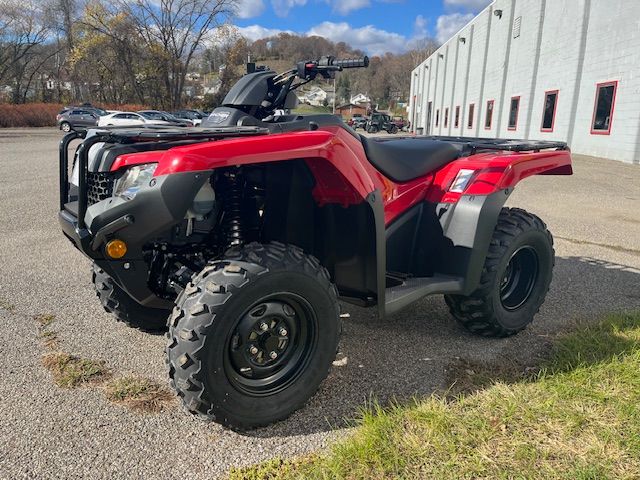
point(334, 95)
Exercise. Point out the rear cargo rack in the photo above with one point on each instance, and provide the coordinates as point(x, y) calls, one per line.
point(471, 145)
point(127, 135)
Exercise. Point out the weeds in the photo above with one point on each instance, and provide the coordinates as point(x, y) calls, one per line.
point(139, 394)
point(70, 371)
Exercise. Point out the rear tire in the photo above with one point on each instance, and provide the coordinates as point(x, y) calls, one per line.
point(117, 302)
point(515, 278)
point(253, 336)
point(372, 129)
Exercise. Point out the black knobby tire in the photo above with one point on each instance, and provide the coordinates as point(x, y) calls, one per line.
point(124, 308)
point(210, 362)
point(515, 278)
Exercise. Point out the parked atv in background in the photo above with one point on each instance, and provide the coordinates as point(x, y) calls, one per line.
point(381, 122)
point(246, 232)
point(359, 122)
point(398, 121)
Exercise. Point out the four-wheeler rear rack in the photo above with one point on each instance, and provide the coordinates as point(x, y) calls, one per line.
point(471, 145)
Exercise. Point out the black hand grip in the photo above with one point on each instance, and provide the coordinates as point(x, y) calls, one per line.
point(352, 63)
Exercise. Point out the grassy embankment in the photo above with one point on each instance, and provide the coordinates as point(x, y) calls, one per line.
point(578, 417)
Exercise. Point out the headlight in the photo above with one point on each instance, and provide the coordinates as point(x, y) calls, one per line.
point(133, 179)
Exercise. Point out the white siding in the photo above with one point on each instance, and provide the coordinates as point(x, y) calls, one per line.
point(564, 45)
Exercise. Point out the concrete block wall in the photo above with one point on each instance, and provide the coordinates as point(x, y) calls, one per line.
point(564, 45)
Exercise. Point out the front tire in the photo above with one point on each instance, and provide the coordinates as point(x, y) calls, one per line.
point(515, 278)
point(65, 127)
point(253, 336)
point(124, 308)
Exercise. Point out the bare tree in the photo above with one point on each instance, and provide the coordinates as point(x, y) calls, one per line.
point(22, 30)
point(173, 31)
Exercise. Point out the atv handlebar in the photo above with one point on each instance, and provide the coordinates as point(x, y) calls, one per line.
point(362, 62)
point(327, 66)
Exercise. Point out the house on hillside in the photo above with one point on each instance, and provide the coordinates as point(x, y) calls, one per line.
point(316, 97)
point(360, 99)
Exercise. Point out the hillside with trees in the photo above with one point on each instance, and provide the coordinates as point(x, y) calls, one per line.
point(163, 54)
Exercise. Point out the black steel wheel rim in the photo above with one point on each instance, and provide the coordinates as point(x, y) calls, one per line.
point(519, 278)
point(271, 344)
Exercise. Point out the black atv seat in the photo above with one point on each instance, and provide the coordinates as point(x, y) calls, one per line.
point(406, 158)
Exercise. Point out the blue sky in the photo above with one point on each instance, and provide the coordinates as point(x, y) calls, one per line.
point(375, 26)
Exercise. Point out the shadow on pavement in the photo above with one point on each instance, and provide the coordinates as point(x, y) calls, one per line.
point(412, 354)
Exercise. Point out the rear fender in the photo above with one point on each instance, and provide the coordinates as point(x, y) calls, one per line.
point(466, 220)
point(495, 172)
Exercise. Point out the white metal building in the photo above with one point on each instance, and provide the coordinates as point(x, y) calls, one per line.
point(538, 69)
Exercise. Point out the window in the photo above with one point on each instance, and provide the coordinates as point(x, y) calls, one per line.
point(437, 117)
point(446, 117)
point(513, 113)
point(488, 115)
point(549, 113)
point(603, 108)
point(472, 107)
point(456, 121)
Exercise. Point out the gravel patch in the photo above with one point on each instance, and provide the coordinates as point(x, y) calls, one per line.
point(49, 432)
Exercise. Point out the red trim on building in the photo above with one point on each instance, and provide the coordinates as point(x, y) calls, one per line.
point(555, 109)
point(613, 83)
point(515, 127)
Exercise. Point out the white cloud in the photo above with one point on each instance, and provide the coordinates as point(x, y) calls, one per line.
point(448, 25)
point(370, 39)
point(282, 7)
point(344, 7)
point(420, 27)
point(469, 5)
point(250, 8)
point(256, 32)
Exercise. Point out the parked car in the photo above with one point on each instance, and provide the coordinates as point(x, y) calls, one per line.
point(195, 116)
point(380, 122)
point(130, 119)
point(71, 118)
point(166, 117)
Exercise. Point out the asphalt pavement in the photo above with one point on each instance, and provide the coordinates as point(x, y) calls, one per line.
point(49, 432)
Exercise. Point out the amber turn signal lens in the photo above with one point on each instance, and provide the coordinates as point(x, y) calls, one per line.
point(116, 248)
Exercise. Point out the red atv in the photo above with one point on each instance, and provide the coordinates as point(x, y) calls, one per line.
point(246, 232)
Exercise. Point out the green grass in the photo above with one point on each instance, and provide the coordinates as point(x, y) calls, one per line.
point(578, 417)
point(138, 393)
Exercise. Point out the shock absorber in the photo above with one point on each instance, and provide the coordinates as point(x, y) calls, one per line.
point(232, 221)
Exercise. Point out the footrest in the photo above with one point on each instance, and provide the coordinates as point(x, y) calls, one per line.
point(413, 289)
